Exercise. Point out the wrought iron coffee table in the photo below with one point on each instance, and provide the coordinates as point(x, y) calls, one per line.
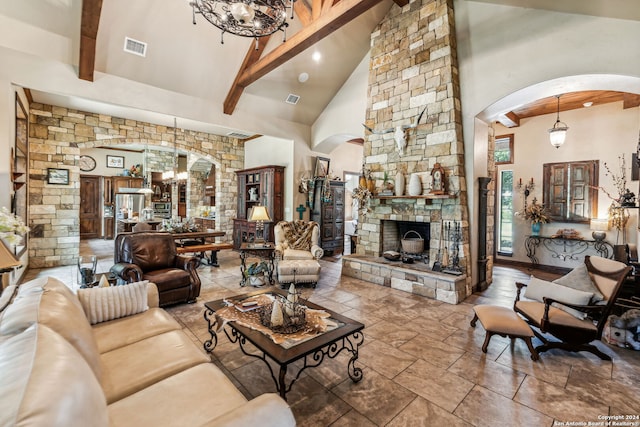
point(346, 336)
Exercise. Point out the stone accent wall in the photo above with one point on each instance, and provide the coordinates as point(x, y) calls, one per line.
point(56, 136)
point(413, 66)
point(158, 161)
point(195, 194)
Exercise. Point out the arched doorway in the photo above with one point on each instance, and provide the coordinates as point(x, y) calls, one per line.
point(585, 137)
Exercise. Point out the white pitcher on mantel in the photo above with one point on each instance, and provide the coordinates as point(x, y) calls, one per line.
point(415, 185)
point(399, 185)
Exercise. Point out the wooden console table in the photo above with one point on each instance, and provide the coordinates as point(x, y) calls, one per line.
point(565, 248)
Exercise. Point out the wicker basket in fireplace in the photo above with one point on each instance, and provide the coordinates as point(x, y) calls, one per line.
point(412, 245)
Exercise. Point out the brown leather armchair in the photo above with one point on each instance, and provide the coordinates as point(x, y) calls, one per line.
point(152, 256)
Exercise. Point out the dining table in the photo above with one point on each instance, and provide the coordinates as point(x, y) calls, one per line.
point(200, 242)
point(203, 236)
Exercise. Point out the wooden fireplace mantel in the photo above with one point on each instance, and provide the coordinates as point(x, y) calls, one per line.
point(425, 196)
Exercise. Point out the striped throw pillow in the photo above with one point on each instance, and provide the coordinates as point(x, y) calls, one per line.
point(104, 304)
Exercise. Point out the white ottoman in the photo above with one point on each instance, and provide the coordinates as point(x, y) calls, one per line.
point(298, 271)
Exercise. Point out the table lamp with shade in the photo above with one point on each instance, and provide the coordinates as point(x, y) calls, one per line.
point(7, 262)
point(259, 215)
point(599, 228)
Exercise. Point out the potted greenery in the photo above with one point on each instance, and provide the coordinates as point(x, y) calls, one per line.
point(255, 273)
point(537, 214)
point(387, 183)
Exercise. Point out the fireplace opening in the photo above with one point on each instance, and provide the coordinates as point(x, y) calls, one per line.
point(394, 231)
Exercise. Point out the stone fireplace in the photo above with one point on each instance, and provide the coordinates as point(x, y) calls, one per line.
point(413, 66)
point(394, 231)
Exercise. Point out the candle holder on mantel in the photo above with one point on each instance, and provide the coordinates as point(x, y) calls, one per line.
point(526, 189)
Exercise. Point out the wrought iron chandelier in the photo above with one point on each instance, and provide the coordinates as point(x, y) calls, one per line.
point(246, 18)
point(558, 132)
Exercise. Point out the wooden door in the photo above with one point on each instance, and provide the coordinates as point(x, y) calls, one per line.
point(120, 182)
point(90, 220)
point(108, 191)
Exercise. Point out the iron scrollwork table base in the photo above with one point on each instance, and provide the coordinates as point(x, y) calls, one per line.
point(565, 249)
point(347, 337)
point(263, 251)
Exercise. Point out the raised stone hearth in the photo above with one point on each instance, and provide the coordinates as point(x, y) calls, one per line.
point(414, 278)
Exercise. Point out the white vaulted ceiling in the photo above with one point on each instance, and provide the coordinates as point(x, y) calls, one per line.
point(189, 60)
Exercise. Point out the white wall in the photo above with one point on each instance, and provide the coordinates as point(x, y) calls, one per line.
point(346, 157)
point(603, 133)
point(130, 99)
point(346, 112)
point(100, 156)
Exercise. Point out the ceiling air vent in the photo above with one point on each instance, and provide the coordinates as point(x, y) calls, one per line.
point(292, 99)
point(135, 47)
point(239, 135)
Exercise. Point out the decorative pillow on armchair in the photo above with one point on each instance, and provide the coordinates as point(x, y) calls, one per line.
point(538, 289)
point(580, 279)
point(103, 304)
point(298, 233)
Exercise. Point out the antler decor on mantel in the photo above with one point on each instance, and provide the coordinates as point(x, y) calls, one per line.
point(401, 133)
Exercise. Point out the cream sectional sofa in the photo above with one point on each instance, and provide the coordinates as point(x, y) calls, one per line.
point(56, 369)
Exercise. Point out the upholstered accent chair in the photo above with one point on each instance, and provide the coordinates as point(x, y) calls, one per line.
point(577, 323)
point(297, 252)
point(297, 240)
point(152, 256)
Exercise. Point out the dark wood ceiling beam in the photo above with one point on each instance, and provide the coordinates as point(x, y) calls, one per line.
point(231, 101)
point(91, 10)
point(401, 3)
point(630, 100)
point(510, 120)
point(237, 88)
point(339, 15)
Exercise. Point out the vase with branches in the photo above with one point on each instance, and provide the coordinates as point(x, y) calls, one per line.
point(618, 218)
point(535, 213)
point(617, 212)
point(624, 196)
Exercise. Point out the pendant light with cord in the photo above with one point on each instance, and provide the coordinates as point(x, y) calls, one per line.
point(558, 132)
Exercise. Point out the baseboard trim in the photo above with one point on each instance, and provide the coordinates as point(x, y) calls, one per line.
point(529, 266)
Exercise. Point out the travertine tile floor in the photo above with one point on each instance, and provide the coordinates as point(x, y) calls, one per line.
point(422, 362)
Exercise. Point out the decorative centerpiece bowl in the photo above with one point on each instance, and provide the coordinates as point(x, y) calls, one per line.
point(285, 315)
